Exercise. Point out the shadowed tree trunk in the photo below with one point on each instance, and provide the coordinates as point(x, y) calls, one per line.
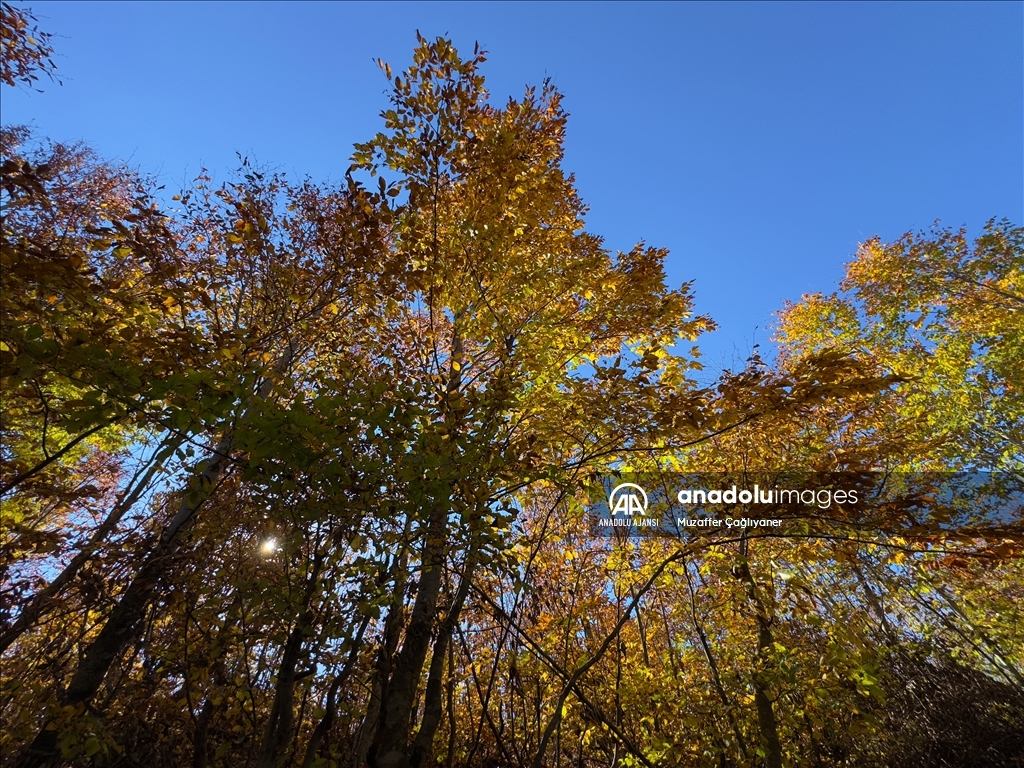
point(390, 745)
point(331, 704)
point(432, 709)
point(762, 701)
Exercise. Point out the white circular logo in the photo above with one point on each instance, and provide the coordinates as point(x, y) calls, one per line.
point(627, 498)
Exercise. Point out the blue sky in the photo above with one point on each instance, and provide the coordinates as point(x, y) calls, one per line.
point(758, 142)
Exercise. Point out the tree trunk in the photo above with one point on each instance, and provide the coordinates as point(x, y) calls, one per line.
point(762, 701)
point(391, 744)
point(200, 737)
point(122, 625)
point(384, 665)
point(124, 620)
point(282, 717)
point(432, 709)
point(331, 705)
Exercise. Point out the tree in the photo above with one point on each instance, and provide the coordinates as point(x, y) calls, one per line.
point(508, 298)
point(26, 50)
point(297, 474)
point(946, 314)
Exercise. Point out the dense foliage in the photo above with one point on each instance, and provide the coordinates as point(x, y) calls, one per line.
point(297, 474)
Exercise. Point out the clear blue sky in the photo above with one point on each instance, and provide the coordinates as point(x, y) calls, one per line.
point(760, 143)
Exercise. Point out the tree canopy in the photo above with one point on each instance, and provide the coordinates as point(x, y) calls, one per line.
point(302, 474)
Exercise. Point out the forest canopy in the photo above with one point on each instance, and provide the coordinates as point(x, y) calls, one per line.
point(303, 474)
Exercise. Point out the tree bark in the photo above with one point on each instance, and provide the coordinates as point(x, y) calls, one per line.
point(201, 736)
point(391, 747)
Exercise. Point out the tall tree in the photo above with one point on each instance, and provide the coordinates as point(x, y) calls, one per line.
point(509, 299)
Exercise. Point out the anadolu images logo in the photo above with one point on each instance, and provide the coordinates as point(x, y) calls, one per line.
point(628, 498)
